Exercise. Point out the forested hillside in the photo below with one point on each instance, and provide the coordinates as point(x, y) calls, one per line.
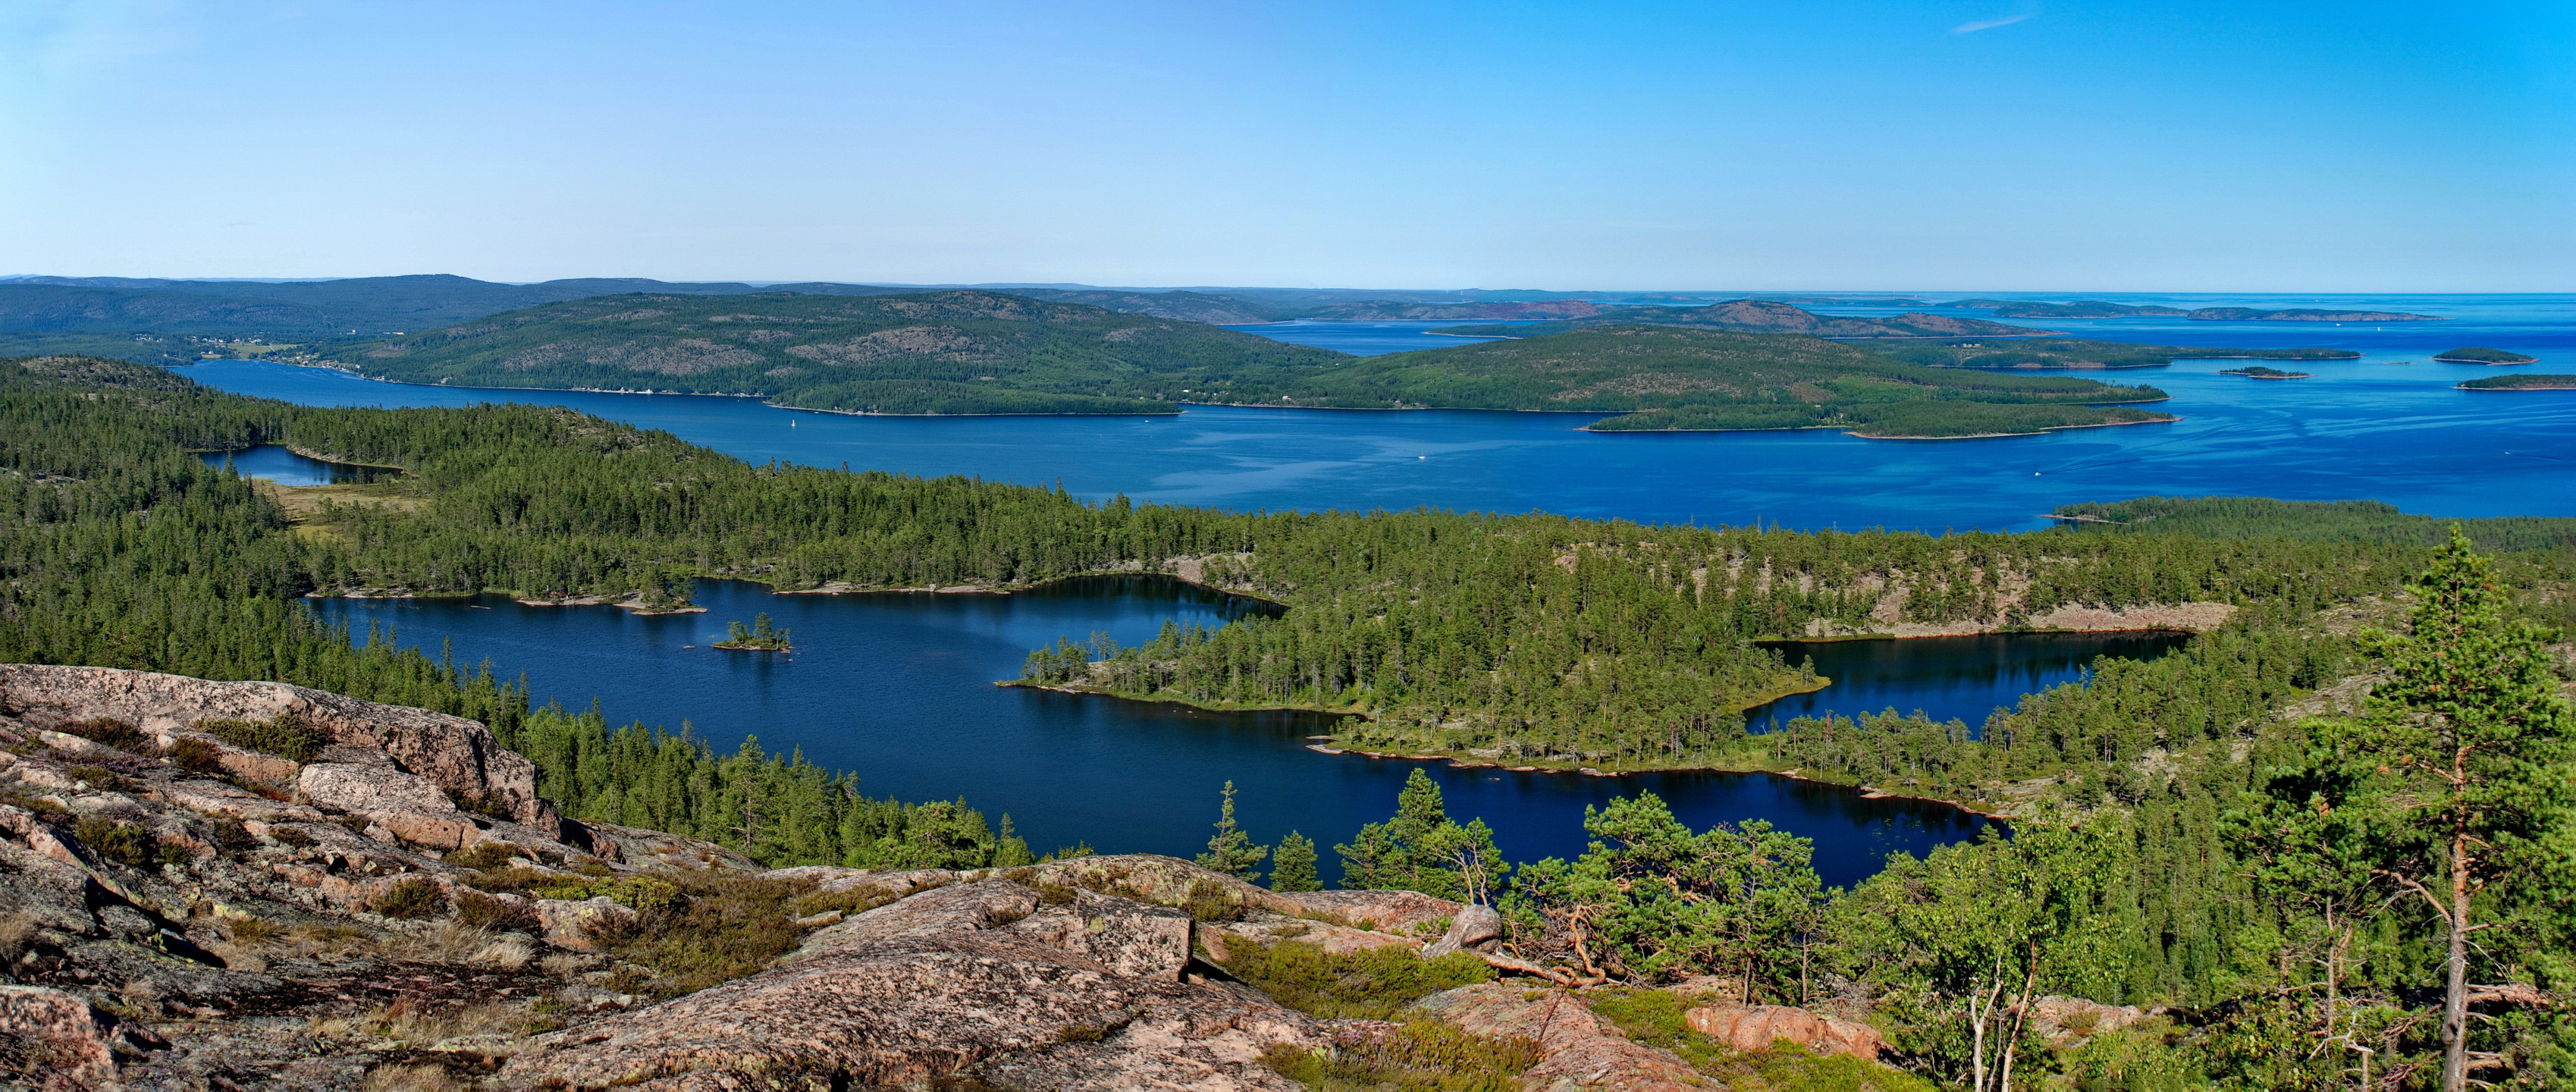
point(1765, 317)
point(2232, 837)
point(942, 352)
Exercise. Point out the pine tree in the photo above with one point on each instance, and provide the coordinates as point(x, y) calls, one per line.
point(1230, 850)
point(2456, 776)
point(1292, 868)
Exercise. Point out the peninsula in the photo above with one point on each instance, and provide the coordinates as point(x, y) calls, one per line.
point(2075, 309)
point(2476, 354)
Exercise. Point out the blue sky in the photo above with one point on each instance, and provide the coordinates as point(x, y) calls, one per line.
point(1936, 144)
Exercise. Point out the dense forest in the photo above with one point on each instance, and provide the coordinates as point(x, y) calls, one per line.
point(1764, 317)
point(983, 352)
point(2253, 838)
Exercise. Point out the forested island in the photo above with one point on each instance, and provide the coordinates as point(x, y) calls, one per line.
point(2302, 314)
point(2524, 382)
point(2074, 309)
point(2257, 371)
point(2479, 355)
point(1764, 317)
point(2215, 862)
point(2067, 352)
point(976, 352)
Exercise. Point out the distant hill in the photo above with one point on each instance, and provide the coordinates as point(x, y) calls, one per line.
point(1185, 306)
point(2076, 309)
point(1764, 317)
point(1667, 377)
point(67, 309)
point(2068, 352)
point(932, 353)
point(2303, 314)
point(1400, 311)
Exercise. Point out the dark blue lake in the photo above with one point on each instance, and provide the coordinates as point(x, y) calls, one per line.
point(285, 467)
point(898, 687)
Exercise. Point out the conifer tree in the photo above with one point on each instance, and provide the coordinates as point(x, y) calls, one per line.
point(2458, 771)
point(1230, 850)
point(1292, 868)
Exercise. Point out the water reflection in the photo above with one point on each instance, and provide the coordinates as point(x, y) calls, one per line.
point(285, 467)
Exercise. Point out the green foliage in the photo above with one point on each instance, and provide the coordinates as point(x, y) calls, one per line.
point(1651, 900)
point(1372, 984)
point(411, 897)
point(1962, 939)
point(2067, 352)
point(1230, 850)
point(1422, 849)
point(499, 915)
point(2478, 354)
point(714, 925)
point(109, 731)
point(287, 736)
point(937, 352)
point(1423, 1055)
point(1657, 1018)
point(196, 756)
point(2526, 381)
point(482, 855)
point(760, 634)
point(2451, 795)
point(130, 844)
point(2370, 522)
point(1292, 868)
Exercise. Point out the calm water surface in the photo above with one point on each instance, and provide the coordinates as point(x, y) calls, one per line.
point(898, 687)
point(2388, 427)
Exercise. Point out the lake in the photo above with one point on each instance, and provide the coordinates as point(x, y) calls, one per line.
point(898, 688)
point(2365, 429)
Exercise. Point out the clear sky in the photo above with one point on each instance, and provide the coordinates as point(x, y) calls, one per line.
point(2176, 145)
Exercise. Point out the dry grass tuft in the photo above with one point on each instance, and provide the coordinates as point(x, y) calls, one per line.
point(17, 930)
point(412, 1078)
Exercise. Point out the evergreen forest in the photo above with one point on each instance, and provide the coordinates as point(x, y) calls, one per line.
point(2335, 835)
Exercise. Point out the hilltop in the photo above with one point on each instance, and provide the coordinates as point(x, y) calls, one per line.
point(939, 352)
point(1664, 377)
point(1766, 317)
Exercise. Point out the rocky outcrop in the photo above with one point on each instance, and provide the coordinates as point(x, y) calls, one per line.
point(1759, 1026)
point(981, 980)
point(79, 1043)
point(1575, 1046)
point(457, 755)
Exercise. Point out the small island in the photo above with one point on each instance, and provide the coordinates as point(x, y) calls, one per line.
point(2524, 382)
point(2476, 354)
point(759, 636)
point(2257, 371)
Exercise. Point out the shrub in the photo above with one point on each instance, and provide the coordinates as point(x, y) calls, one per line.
point(288, 736)
point(175, 854)
point(1421, 1054)
point(196, 756)
point(482, 856)
point(292, 837)
point(412, 897)
point(1369, 985)
point(717, 926)
point(111, 732)
point(96, 777)
point(124, 843)
point(499, 915)
point(232, 837)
